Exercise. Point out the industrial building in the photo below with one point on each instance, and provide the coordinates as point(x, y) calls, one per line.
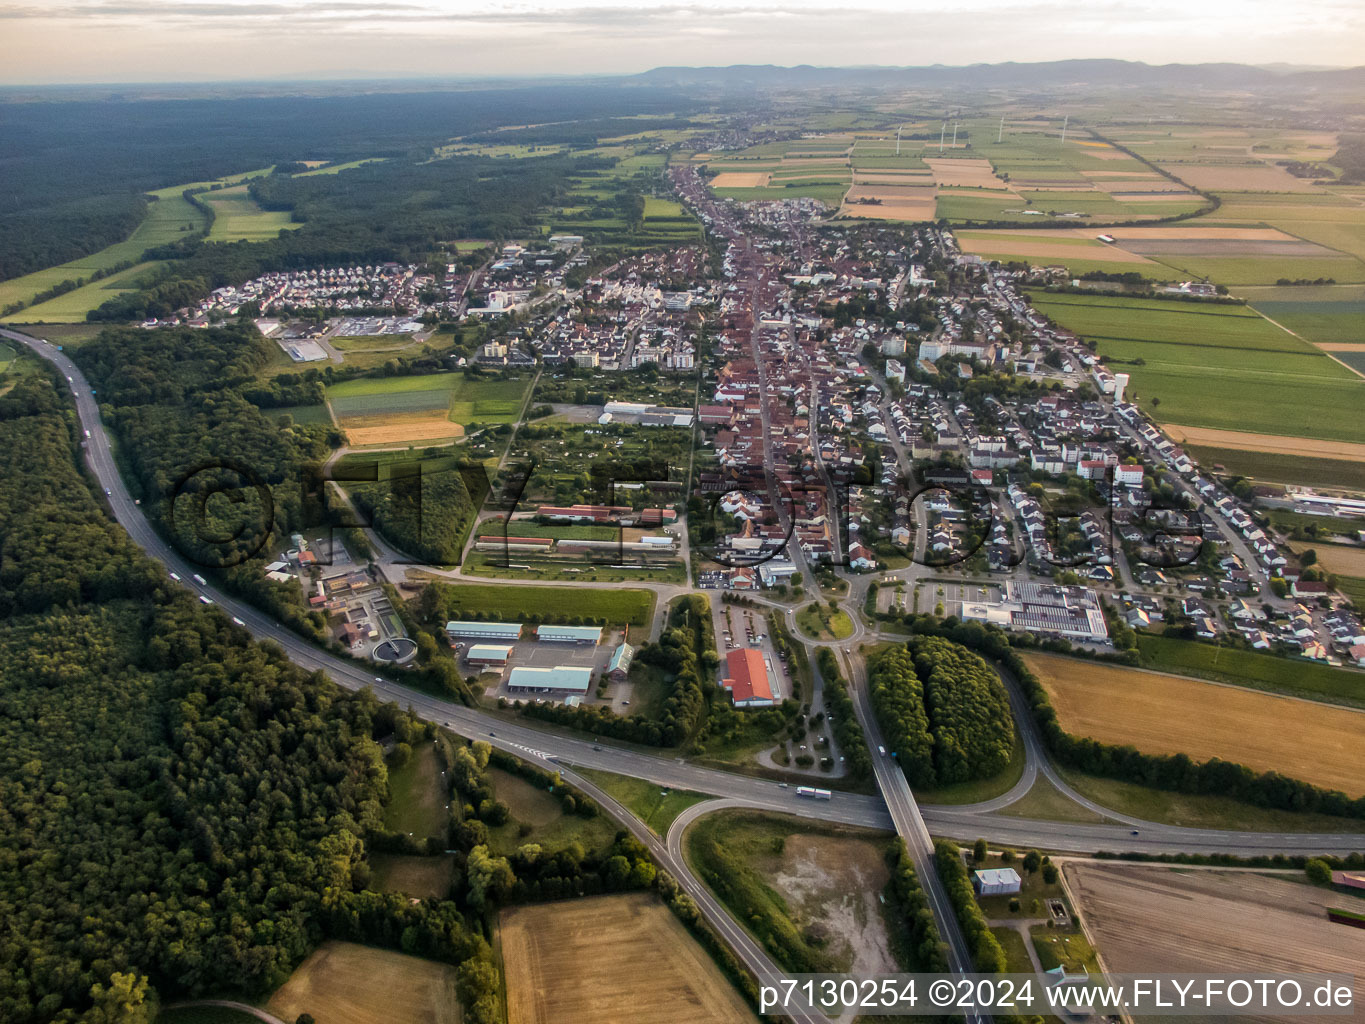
point(618, 669)
point(496, 655)
point(560, 681)
point(484, 630)
point(746, 677)
point(570, 634)
point(1043, 608)
point(996, 882)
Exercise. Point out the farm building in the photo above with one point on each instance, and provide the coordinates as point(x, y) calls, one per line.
point(570, 634)
point(484, 630)
point(996, 882)
point(747, 679)
point(619, 666)
point(561, 680)
point(488, 654)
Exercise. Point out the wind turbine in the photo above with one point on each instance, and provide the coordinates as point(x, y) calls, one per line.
point(1001, 134)
point(898, 139)
point(1065, 121)
point(941, 132)
point(955, 135)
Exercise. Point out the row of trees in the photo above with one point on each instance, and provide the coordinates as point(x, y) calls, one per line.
point(842, 719)
point(926, 950)
point(988, 956)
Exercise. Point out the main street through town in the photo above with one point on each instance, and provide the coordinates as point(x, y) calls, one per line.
point(893, 807)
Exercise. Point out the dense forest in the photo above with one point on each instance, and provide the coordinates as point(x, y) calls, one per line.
point(219, 477)
point(944, 711)
point(74, 172)
point(175, 800)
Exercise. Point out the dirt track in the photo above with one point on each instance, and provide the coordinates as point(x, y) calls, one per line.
point(1305, 447)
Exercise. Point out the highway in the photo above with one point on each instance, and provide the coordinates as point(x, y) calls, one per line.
point(549, 746)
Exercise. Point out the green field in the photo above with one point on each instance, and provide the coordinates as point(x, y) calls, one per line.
point(830, 195)
point(8, 354)
point(819, 622)
point(1257, 671)
point(1327, 322)
point(510, 602)
point(237, 217)
point(468, 400)
point(1217, 366)
point(418, 803)
point(303, 415)
point(338, 168)
point(1284, 469)
point(169, 218)
point(72, 306)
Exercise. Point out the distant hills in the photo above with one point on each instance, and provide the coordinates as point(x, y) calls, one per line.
point(1049, 76)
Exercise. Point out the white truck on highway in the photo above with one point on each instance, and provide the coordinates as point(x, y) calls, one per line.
point(813, 793)
point(200, 580)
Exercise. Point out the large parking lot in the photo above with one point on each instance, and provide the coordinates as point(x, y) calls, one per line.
point(748, 627)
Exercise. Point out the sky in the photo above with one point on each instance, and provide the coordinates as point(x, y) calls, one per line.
point(54, 41)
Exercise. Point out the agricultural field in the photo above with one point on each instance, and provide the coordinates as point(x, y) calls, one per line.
point(338, 168)
point(619, 606)
point(303, 415)
point(170, 218)
point(237, 217)
point(72, 306)
point(1217, 366)
point(1260, 463)
point(1075, 251)
point(1164, 920)
point(205, 1015)
point(807, 892)
point(1161, 714)
point(346, 983)
point(422, 409)
point(1341, 559)
point(1295, 677)
point(580, 962)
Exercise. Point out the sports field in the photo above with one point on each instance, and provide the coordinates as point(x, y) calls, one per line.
point(511, 603)
point(610, 960)
point(1161, 714)
point(1217, 366)
point(346, 983)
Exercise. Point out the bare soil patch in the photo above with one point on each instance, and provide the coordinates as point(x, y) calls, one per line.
point(1160, 920)
point(610, 960)
point(346, 983)
point(1306, 447)
point(1045, 249)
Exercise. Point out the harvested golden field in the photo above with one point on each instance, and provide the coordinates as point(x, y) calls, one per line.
point(345, 983)
point(1132, 175)
point(1341, 346)
point(1044, 246)
point(1239, 178)
point(1164, 714)
point(970, 173)
point(1306, 447)
point(1161, 920)
point(610, 960)
point(1340, 558)
point(893, 178)
point(739, 179)
point(399, 428)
